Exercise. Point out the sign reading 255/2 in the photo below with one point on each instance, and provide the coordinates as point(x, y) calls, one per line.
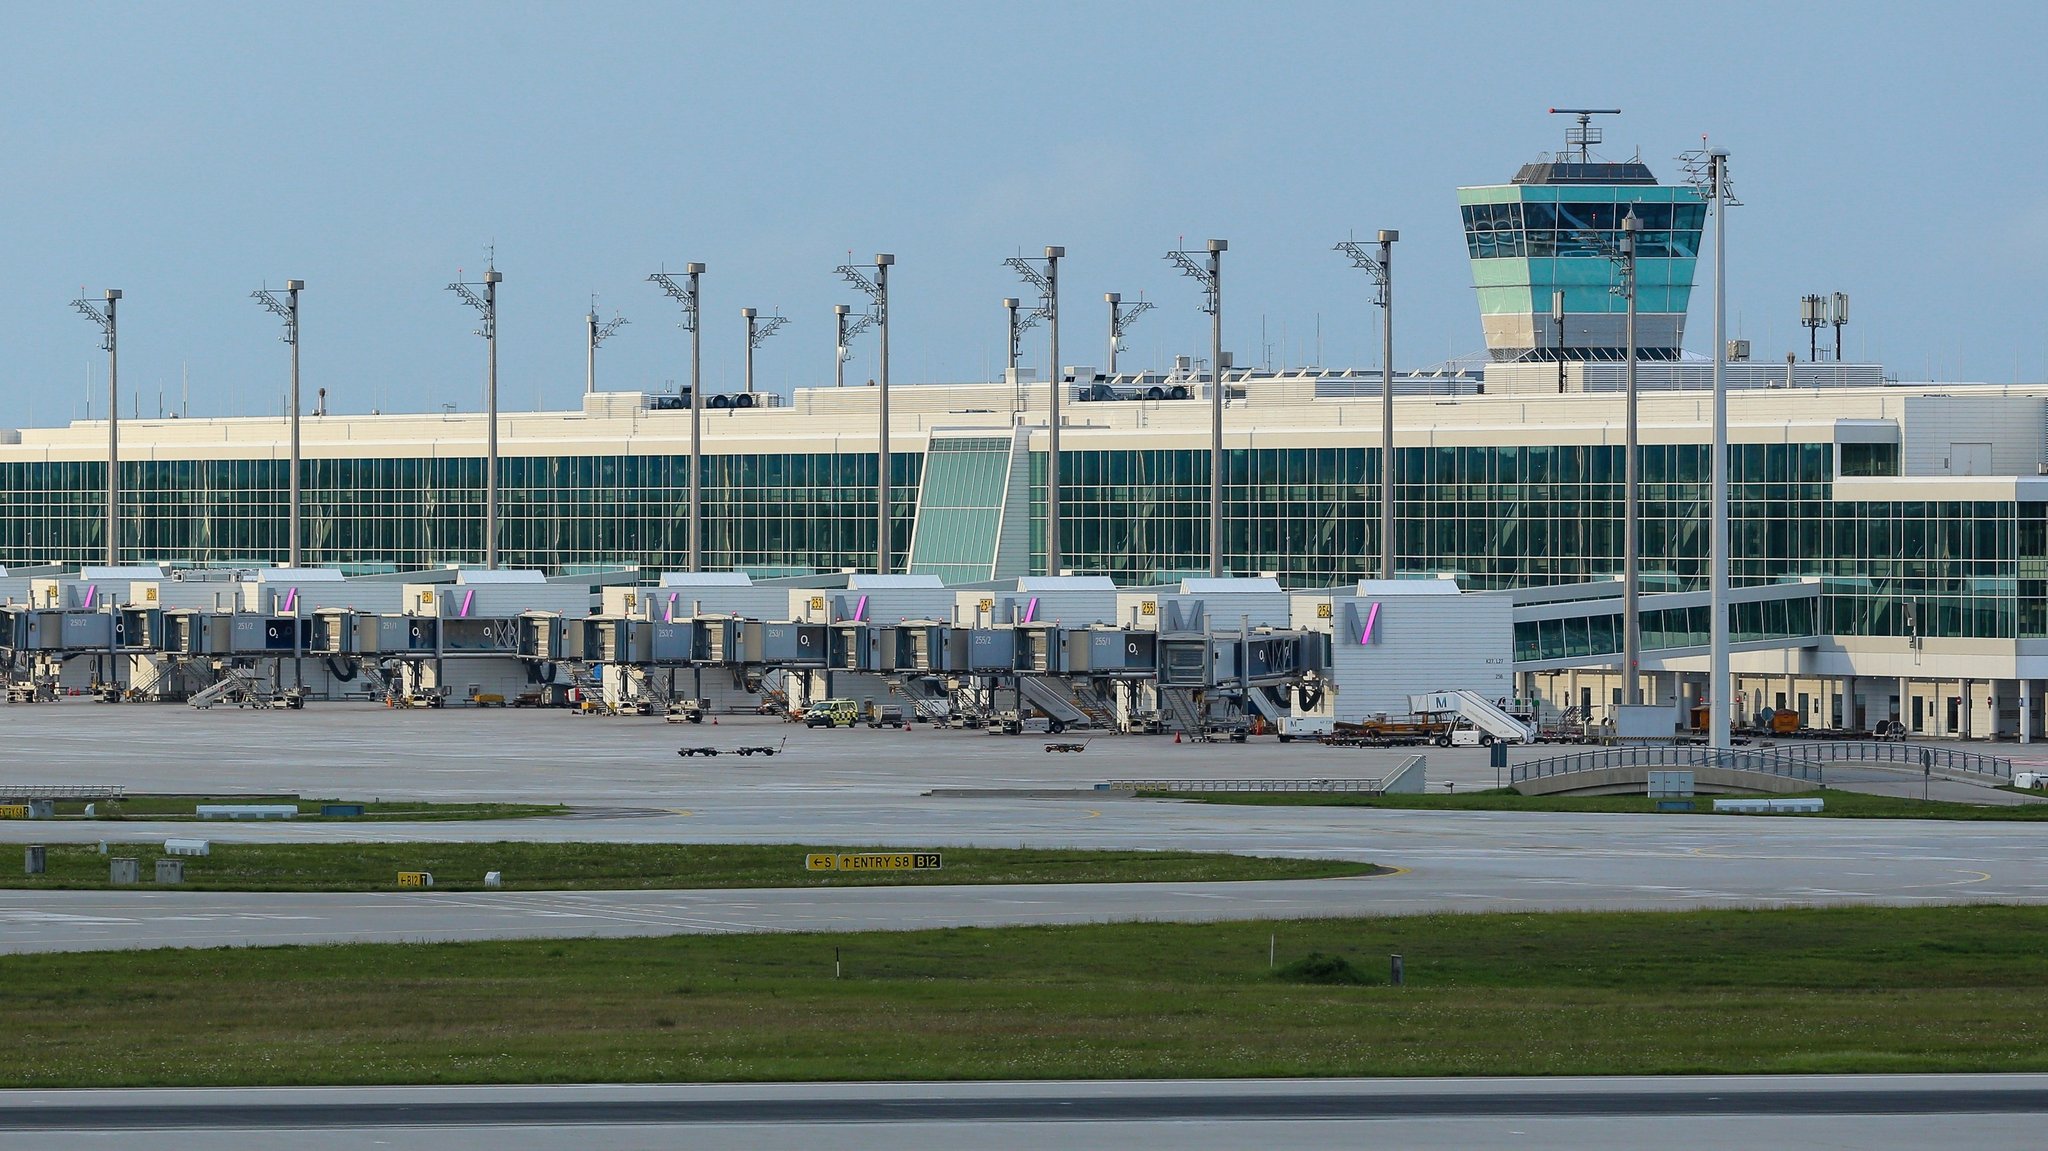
point(876, 861)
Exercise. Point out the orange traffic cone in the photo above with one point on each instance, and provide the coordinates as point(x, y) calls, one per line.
point(1176, 737)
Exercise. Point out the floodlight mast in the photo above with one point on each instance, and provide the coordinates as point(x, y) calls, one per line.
point(109, 340)
point(689, 294)
point(287, 309)
point(1707, 171)
point(1632, 501)
point(757, 334)
point(1211, 279)
point(599, 333)
point(1048, 285)
point(1623, 257)
point(1120, 320)
point(1381, 268)
point(876, 288)
point(487, 305)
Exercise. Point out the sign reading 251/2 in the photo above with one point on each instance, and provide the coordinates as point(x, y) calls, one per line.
point(875, 861)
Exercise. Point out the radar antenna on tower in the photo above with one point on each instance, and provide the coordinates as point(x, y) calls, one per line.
point(1584, 134)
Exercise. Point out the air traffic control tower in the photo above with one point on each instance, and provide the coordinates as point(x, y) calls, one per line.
point(1554, 229)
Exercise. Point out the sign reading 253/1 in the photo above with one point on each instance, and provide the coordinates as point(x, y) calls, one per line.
point(878, 861)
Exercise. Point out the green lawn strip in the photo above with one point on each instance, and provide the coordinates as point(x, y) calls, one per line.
point(1849, 804)
point(1833, 990)
point(156, 807)
point(595, 866)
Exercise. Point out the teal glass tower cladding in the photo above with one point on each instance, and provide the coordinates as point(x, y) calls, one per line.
point(1553, 229)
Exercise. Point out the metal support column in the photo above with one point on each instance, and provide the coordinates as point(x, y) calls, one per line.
point(109, 325)
point(1631, 532)
point(690, 294)
point(1216, 250)
point(1717, 623)
point(883, 261)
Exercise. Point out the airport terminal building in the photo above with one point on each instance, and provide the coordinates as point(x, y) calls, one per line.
point(1899, 531)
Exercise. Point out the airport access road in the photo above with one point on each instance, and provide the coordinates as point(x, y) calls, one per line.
point(1718, 1113)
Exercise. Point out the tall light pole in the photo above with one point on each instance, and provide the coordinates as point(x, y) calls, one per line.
point(1557, 317)
point(109, 331)
point(688, 292)
point(1381, 268)
point(599, 333)
point(877, 289)
point(1211, 279)
point(487, 304)
point(1048, 284)
point(288, 310)
point(1708, 170)
point(1120, 318)
point(757, 334)
point(1632, 506)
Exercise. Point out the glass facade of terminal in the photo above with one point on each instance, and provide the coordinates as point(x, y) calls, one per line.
point(1495, 516)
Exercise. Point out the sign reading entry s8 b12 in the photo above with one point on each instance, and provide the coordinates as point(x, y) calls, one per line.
point(900, 861)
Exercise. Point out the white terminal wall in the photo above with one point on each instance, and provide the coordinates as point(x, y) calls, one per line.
point(1421, 643)
point(886, 606)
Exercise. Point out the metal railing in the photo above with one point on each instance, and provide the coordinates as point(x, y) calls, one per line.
point(1905, 755)
point(1798, 761)
point(1764, 760)
point(1377, 786)
point(1371, 786)
point(62, 793)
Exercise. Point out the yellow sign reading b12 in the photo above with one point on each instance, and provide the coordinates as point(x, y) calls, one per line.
point(875, 861)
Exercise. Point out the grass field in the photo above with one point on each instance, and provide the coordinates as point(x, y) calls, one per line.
point(1837, 990)
point(590, 866)
point(155, 807)
point(1841, 804)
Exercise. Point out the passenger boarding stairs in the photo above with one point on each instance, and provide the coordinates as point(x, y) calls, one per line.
point(925, 705)
point(1485, 715)
point(1071, 704)
point(241, 686)
point(1179, 711)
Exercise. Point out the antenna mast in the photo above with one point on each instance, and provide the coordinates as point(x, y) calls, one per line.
point(1584, 134)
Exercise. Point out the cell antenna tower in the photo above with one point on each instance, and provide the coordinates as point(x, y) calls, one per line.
point(599, 333)
point(689, 293)
point(1121, 317)
point(487, 305)
point(1584, 134)
point(759, 328)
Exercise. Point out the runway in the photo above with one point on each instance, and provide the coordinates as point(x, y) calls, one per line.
point(1882, 1113)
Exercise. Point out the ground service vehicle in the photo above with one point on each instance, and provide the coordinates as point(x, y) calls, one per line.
point(885, 715)
point(831, 713)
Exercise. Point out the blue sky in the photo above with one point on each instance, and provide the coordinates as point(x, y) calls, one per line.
point(188, 154)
